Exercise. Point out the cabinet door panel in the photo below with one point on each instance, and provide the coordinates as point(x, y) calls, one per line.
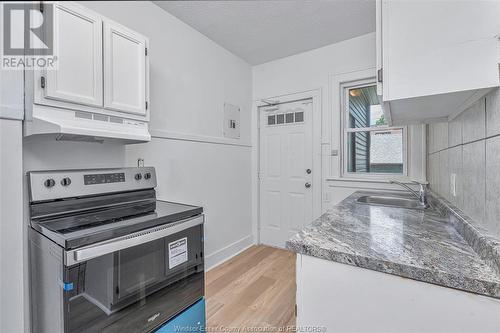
point(124, 70)
point(78, 47)
point(438, 47)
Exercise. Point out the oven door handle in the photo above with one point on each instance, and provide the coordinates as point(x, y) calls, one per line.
point(99, 249)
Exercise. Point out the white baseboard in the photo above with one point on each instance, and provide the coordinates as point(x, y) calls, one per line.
point(218, 257)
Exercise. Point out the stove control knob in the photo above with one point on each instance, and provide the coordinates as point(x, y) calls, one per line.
point(49, 182)
point(138, 176)
point(66, 181)
point(147, 175)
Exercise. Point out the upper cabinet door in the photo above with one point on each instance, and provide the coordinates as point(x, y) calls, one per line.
point(437, 57)
point(125, 80)
point(436, 47)
point(78, 47)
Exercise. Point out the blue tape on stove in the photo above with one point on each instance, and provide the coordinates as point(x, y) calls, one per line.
point(68, 286)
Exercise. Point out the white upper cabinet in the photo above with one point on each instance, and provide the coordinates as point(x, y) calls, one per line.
point(101, 68)
point(78, 47)
point(435, 58)
point(125, 74)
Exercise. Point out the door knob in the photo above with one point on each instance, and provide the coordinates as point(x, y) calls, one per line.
point(308, 171)
point(307, 185)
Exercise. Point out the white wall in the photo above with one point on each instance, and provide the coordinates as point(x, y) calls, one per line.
point(191, 79)
point(12, 241)
point(316, 70)
point(12, 254)
point(48, 154)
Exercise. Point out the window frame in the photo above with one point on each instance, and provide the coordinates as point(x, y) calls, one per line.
point(345, 130)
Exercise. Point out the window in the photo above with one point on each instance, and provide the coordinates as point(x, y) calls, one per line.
point(371, 147)
point(285, 118)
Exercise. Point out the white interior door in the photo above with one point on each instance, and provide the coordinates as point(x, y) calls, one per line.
point(286, 170)
point(124, 69)
point(78, 47)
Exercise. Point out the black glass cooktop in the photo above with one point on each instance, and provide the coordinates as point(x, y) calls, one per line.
point(86, 220)
point(87, 227)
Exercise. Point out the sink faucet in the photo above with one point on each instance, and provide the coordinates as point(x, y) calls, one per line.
point(421, 194)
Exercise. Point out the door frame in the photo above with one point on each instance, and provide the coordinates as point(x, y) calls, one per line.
point(317, 195)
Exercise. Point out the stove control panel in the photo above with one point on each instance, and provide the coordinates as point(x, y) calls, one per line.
point(49, 182)
point(66, 181)
point(104, 178)
point(51, 185)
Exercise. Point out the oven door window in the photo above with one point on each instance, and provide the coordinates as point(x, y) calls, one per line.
point(138, 269)
point(138, 288)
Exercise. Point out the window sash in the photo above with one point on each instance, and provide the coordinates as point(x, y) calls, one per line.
point(346, 129)
point(373, 129)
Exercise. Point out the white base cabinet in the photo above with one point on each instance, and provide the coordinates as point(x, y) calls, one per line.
point(345, 299)
point(436, 58)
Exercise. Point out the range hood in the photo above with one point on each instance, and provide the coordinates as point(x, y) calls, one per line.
point(68, 125)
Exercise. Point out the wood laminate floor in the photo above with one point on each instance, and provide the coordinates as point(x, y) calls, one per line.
point(254, 289)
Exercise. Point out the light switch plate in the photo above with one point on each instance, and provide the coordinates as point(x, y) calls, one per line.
point(231, 126)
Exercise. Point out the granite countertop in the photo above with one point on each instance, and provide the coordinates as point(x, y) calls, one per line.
point(423, 246)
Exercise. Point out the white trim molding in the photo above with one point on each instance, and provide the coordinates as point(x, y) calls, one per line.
point(222, 255)
point(161, 134)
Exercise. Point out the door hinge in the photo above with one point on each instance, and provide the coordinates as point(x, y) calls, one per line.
point(146, 105)
point(42, 82)
point(146, 51)
point(380, 75)
point(296, 304)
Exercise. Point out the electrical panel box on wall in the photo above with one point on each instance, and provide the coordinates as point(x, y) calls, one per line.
point(231, 126)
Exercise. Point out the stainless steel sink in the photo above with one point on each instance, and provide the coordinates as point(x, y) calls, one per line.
point(389, 201)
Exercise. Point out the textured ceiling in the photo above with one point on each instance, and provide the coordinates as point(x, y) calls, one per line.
point(261, 31)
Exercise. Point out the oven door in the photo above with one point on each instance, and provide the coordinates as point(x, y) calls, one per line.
point(134, 283)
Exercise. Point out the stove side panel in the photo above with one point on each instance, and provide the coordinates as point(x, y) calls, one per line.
point(46, 285)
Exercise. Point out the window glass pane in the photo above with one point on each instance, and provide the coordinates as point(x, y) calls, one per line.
point(299, 117)
point(271, 120)
point(364, 108)
point(378, 151)
point(280, 119)
point(289, 118)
